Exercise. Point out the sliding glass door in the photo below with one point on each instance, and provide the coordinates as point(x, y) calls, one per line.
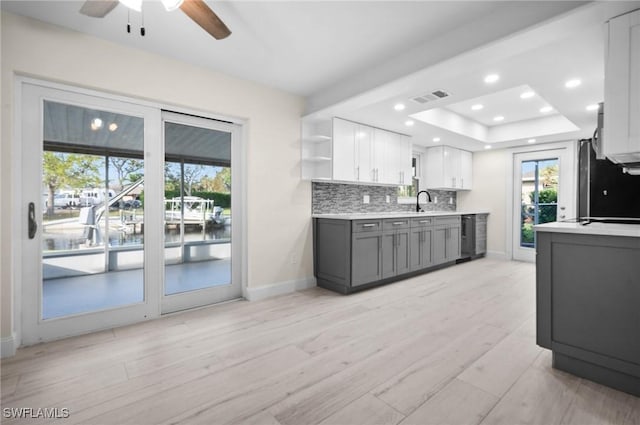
point(119, 227)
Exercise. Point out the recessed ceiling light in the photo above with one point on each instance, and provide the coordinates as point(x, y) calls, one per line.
point(527, 95)
point(477, 106)
point(487, 146)
point(408, 123)
point(498, 118)
point(546, 109)
point(573, 83)
point(399, 107)
point(531, 141)
point(113, 127)
point(96, 124)
point(491, 78)
point(593, 107)
point(436, 139)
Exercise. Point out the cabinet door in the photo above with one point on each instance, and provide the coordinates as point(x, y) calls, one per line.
point(439, 244)
point(366, 260)
point(344, 150)
point(416, 250)
point(404, 161)
point(364, 145)
point(451, 160)
point(403, 251)
point(453, 243)
point(381, 140)
point(621, 140)
point(389, 264)
point(481, 234)
point(466, 170)
point(427, 243)
point(433, 168)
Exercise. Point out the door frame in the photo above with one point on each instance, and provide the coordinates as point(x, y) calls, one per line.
point(154, 251)
point(567, 154)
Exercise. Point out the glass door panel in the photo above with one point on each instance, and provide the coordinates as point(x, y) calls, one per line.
point(539, 185)
point(197, 211)
point(92, 215)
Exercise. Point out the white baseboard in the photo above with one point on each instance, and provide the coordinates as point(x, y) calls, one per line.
point(497, 255)
point(281, 288)
point(8, 346)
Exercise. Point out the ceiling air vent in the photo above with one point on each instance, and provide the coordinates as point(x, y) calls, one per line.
point(430, 97)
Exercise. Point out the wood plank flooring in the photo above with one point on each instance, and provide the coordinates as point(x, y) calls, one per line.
point(455, 346)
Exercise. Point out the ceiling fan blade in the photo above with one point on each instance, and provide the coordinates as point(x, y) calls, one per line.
point(98, 8)
point(202, 15)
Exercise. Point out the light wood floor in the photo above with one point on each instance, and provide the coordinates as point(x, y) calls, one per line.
point(456, 346)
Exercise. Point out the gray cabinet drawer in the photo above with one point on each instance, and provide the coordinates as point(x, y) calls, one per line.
point(395, 223)
point(421, 221)
point(450, 219)
point(366, 226)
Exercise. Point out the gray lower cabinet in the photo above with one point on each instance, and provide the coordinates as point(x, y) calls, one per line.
point(395, 247)
point(367, 258)
point(349, 254)
point(420, 242)
point(588, 298)
point(446, 239)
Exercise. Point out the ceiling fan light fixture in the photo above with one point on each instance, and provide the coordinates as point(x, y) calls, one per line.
point(133, 4)
point(171, 5)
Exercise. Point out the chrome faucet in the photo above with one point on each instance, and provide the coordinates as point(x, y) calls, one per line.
point(418, 209)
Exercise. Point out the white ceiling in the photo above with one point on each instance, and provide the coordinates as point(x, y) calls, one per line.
point(356, 59)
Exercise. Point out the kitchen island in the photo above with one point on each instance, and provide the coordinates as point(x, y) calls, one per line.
point(358, 251)
point(588, 300)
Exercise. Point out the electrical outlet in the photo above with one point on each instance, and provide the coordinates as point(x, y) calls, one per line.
point(450, 201)
point(365, 199)
point(435, 199)
point(388, 199)
point(294, 258)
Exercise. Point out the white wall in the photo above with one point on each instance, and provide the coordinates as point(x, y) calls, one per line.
point(490, 180)
point(278, 201)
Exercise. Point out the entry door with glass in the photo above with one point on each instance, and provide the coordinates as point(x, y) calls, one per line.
point(87, 217)
point(542, 194)
point(198, 203)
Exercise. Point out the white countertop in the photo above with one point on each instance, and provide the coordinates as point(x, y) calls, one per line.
point(383, 215)
point(594, 228)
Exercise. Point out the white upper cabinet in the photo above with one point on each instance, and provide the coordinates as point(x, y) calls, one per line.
point(344, 150)
point(447, 168)
point(621, 138)
point(364, 154)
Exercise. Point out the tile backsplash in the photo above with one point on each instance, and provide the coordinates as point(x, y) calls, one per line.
point(336, 198)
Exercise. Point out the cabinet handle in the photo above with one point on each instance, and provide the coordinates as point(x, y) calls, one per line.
point(377, 174)
point(397, 223)
point(425, 221)
point(461, 182)
point(358, 173)
point(370, 225)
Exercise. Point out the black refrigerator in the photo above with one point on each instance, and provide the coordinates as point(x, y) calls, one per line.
point(604, 190)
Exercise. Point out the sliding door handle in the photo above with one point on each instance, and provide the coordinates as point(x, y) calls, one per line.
point(33, 225)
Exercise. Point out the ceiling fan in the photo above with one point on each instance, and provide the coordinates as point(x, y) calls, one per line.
point(197, 10)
